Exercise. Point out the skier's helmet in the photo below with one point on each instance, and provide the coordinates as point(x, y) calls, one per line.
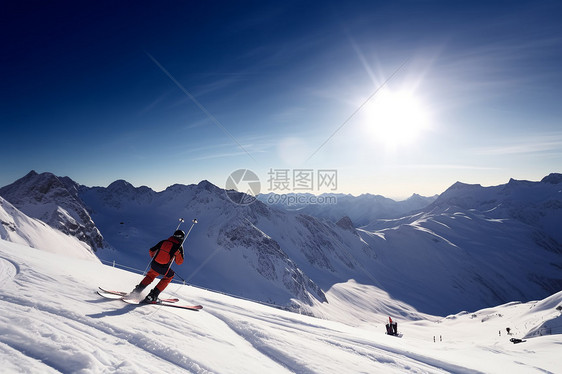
point(179, 234)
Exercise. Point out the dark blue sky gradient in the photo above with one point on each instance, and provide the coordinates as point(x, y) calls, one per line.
point(81, 96)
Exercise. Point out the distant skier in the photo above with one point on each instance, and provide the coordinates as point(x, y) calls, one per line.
point(391, 327)
point(163, 254)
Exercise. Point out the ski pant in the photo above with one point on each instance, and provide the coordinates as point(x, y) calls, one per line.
point(157, 269)
point(392, 328)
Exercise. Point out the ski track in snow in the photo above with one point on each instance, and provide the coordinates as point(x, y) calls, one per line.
point(70, 326)
point(8, 270)
point(52, 346)
point(377, 354)
point(258, 341)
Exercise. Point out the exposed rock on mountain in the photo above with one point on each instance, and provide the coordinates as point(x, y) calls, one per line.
point(56, 202)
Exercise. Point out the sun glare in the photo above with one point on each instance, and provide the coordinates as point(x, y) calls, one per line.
point(396, 118)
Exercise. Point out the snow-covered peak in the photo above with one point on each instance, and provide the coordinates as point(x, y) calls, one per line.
point(464, 186)
point(206, 185)
point(534, 203)
point(423, 201)
point(178, 188)
point(552, 178)
point(33, 186)
point(125, 189)
point(345, 223)
point(474, 196)
point(460, 193)
point(120, 185)
point(54, 201)
point(16, 227)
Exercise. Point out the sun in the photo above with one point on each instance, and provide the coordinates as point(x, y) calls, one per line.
point(396, 118)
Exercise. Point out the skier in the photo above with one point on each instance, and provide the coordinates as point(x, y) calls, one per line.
point(163, 254)
point(391, 327)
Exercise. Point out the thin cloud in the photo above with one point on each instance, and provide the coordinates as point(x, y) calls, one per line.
point(255, 144)
point(211, 156)
point(154, 103)
point(446, 167)
point(196, 102)
point(491, 69)
point(541, 144)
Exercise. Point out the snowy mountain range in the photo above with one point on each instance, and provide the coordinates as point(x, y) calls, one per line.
point(362, 209)
point(487, 244)
point(473, 247)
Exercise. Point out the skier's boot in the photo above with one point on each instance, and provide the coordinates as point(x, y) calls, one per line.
point(152, 297)
point(138, 289)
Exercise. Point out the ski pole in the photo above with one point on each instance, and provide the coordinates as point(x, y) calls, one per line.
point(169, 266)
point(173, 258)
point(186, 235)
point(179, 224)
point(180, 277)
point(183, 241)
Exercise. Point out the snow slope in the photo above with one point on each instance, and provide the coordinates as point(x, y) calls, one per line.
point(51, 320)
point(16, 227)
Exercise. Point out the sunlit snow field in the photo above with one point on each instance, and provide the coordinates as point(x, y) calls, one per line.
point(52, 320)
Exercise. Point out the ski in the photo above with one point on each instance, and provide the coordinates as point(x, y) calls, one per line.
point(172, 300)
point(141, 301)
point(165, 303)
point(109, 295)
point(121, 293)
point(115, 295)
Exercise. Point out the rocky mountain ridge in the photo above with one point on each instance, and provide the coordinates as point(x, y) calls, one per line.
point(362, 209)
point(55, 201)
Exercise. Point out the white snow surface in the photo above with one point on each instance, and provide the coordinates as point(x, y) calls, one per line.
point(17, 227)
point(52, 320)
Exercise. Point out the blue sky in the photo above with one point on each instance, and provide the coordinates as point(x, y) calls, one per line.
point(158, 93)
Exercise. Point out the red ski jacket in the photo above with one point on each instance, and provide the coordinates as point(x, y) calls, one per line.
point(166, 250)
